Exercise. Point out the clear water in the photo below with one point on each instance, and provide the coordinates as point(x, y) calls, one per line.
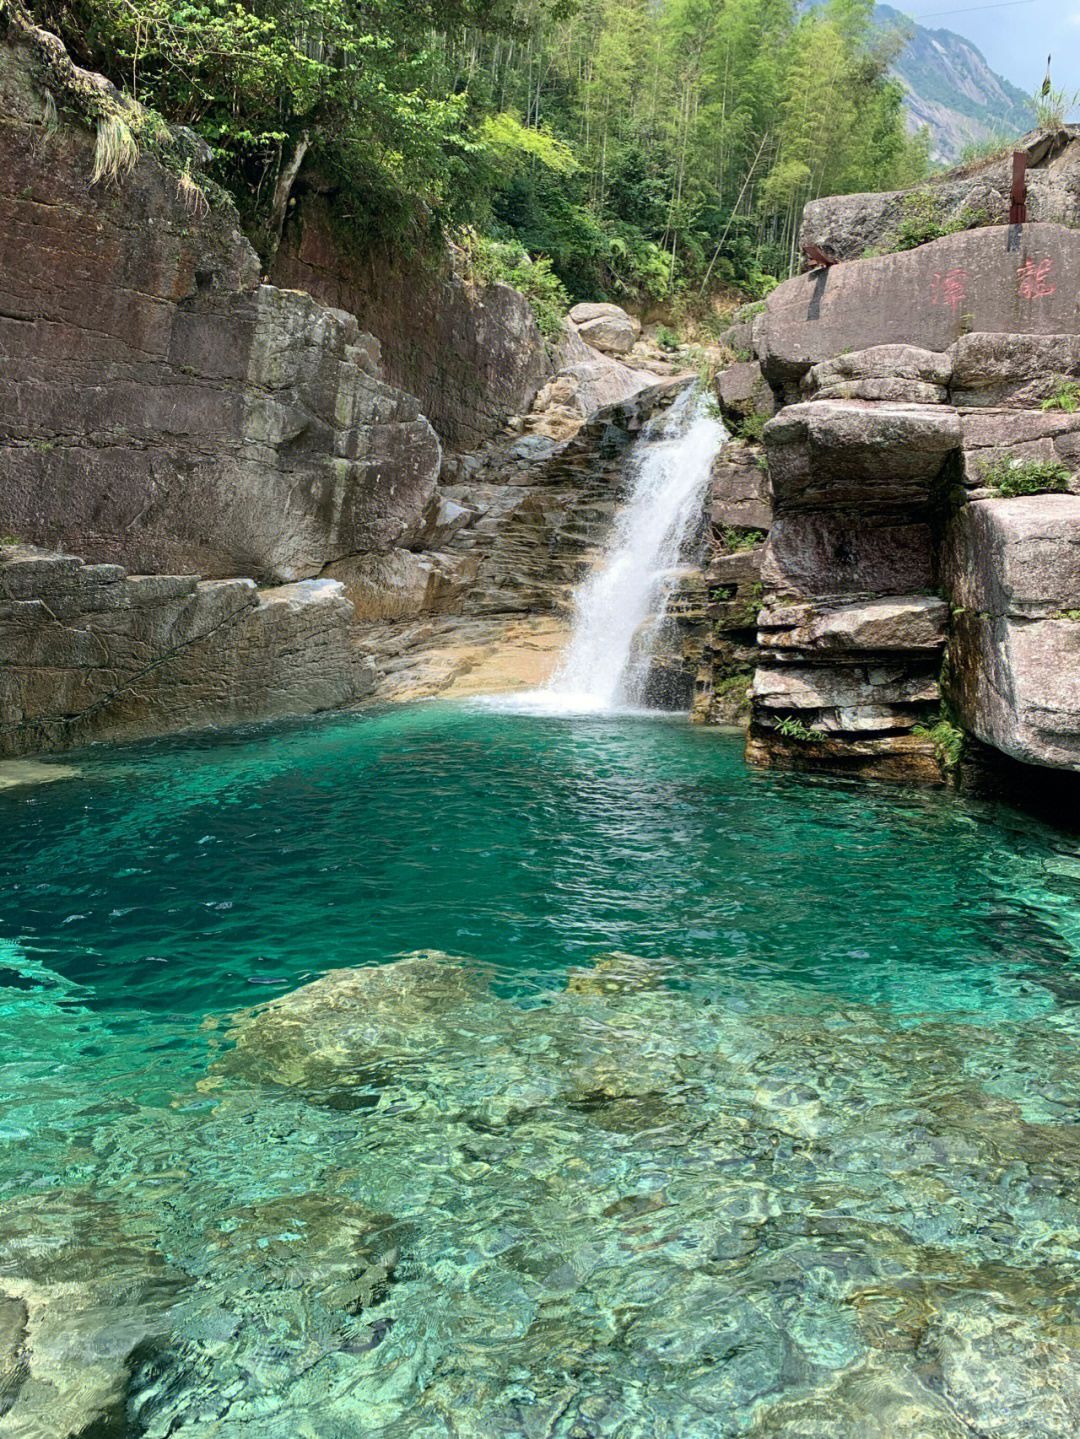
point(619, 609)
point(800, 1160)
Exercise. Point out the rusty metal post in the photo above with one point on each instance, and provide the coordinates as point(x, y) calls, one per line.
point(1018, 197)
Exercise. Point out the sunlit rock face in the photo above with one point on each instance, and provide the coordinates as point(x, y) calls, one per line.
point(971, 282)
point(162, 408)
point(911, 379)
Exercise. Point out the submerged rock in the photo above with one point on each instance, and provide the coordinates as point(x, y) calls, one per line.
point(345, 1031)
point(81, 1294)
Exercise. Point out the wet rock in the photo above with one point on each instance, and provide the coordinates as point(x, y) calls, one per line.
point(1006, 1373)
point(342, 1031)
point(875, 1400)
point(739, 490)
point(902, 759)
point(619, 974)
point(80, 1296)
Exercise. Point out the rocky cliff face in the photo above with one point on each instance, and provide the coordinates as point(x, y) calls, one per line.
point(470, 353)
point(159, 407)
point(950, 88)
point(893, 544)
point(90, 652)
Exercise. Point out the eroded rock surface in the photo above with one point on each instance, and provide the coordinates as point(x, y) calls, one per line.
point(90, 652)
point(469, 352)
point(926, 298)
point(1014, 567)
point(161, 408)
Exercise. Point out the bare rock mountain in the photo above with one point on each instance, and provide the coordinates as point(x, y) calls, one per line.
point(950, 88)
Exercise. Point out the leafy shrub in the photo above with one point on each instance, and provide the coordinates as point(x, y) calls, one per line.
point(792, 728)
point(947, 738)
point(737, 538)
point(666, 339)
point(1066, 397)
point(1009, 477)
point(751, 427)
point(497, 262)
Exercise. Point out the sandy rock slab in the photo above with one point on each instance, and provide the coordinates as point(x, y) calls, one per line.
point(463, 658)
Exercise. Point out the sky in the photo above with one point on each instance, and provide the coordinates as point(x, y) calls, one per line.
point(1015, 38)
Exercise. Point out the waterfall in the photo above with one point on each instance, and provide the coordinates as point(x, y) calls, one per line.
point(619, 608)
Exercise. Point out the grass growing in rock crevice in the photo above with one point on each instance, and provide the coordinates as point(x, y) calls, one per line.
point(1009, 477)
point(1066, 397)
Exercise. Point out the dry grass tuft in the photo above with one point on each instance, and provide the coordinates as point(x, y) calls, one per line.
point(192, 197)
point(115, 151)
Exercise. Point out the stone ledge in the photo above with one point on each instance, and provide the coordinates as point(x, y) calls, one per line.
point(907, 759)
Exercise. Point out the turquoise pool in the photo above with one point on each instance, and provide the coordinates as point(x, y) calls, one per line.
point(449, 1072)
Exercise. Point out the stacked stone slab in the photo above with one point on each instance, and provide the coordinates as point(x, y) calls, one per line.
point(739, 516)
point(91, 652)
point(907, 377)
point(850, 638)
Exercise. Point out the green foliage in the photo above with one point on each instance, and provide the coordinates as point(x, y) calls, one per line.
point(736, 538)
point(8, 540)
point(497, 262)
point(643, 150)
point(115, 150)
point(947, 738)
point(733, 684)
point(1009, 477)
point(1073, 615)
point(792, 728)
point(980, 152)
point(666, 339)
point(1065, 397)
point(1051, 109)
point(750, 609)
point(751, 427)
point(921, 220)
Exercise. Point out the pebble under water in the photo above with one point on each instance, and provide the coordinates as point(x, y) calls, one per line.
point(456, 1073)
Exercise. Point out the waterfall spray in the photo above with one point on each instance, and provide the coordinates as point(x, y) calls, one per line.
point(619, 608)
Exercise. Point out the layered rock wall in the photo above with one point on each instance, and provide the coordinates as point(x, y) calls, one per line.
point(91, 652)
point(159, 407)
point(890, 539)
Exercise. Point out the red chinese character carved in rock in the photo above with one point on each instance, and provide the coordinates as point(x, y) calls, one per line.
point(949, 288)
point(1031, 282)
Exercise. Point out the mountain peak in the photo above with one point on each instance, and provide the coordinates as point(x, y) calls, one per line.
point(950, 88)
